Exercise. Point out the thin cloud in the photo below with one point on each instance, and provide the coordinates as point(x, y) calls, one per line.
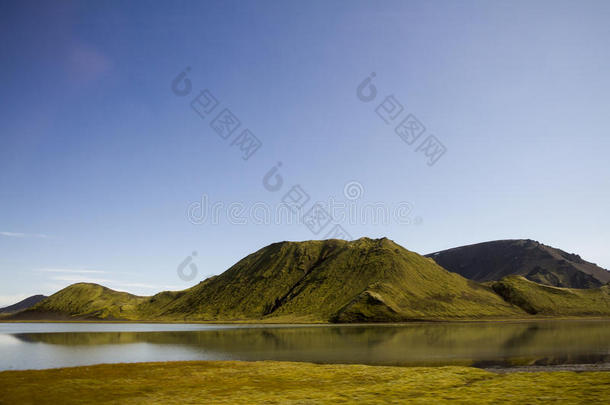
point(6, 300)
point(152, 286)
point(77, 279)
point(74, 271)
point(23, 235)
point(114, 284)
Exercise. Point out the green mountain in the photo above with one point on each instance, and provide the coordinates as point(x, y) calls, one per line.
point(85, 301)
point(321, 281)
point(540, 299)
point(335, 280)
point(535, 261)
point(314, 281)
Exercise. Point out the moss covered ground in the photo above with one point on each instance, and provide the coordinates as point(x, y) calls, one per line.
point(295, 383)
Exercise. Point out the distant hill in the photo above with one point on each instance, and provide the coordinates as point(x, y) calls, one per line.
point(85, 301)
point(367, 280)
point(316, 281)
point(537, 262)
point(24, 304)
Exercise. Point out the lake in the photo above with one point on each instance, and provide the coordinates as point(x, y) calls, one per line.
point(478, 344)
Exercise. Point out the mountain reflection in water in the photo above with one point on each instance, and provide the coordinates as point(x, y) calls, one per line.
point(502, 344)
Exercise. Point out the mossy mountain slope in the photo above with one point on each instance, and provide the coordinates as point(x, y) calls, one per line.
point(540, 299)
point(335, 280)
point(315, 281)
point(86, 301)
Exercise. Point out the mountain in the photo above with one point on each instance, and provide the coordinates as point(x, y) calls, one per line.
point(540, 299)
point(315, 281)
point(366, 280)
point(85, 301)
point(335, 280)
point(24, 304)
point(543, 264)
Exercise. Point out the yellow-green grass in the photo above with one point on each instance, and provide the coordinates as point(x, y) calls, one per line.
point(543, 300)
point(230, 382)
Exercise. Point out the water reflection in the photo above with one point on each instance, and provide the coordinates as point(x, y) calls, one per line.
point(478, 344)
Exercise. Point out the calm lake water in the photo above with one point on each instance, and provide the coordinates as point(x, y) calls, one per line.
point(545, 343)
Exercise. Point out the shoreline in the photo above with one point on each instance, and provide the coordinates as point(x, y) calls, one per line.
point(575, 368)
point(311, 323)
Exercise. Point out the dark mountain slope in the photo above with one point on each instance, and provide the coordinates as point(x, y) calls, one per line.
point(24, 304)
point(535, 261)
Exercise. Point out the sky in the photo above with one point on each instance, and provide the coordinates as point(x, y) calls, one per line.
point(115, 168)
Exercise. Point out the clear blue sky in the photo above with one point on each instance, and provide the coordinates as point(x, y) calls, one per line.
point(100, 160)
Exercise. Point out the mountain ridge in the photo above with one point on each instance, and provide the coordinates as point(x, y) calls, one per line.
point(493, 260)
point(366, 280)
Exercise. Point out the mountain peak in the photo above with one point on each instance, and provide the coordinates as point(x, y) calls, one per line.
point(526, 257)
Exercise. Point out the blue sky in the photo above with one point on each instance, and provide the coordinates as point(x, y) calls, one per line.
point(100, 161)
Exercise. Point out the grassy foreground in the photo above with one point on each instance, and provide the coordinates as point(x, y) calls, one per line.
point(270, 382)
